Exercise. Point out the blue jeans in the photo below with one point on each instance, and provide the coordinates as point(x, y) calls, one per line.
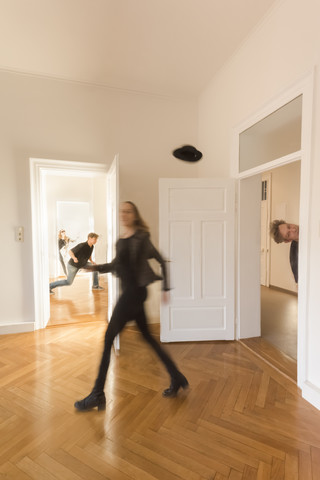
point(72, 272)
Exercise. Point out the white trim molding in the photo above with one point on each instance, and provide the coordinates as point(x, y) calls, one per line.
point(39, 169)
point(279, 162)
point(17, 327)
point(304, 87)
point(311, 393)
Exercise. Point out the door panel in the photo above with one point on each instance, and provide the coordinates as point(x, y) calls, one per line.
point(197, 237)
point(213, 259)
point(181, 245)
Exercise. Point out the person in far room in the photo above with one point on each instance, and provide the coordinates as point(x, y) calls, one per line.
point(80, 256)
point(63, 242)
point(282, 231)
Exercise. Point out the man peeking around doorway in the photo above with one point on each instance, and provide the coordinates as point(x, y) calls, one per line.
point(282, 231)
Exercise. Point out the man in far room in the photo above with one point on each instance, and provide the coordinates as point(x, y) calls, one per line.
point(282, 231)
point(80, 256)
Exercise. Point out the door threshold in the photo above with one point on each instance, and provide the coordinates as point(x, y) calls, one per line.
point(284, 364)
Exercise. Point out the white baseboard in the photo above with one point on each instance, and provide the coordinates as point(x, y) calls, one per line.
point(311, 393)
point(19, 327)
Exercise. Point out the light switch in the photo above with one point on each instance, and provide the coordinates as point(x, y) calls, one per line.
point(19, 234)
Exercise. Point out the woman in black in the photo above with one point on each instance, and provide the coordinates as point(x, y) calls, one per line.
point(133, 250)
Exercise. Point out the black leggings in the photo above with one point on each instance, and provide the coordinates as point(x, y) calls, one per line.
point(130, 306)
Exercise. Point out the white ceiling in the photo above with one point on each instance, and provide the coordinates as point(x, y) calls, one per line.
point(169, 47)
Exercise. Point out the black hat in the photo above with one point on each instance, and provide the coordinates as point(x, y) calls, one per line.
point(187, 153)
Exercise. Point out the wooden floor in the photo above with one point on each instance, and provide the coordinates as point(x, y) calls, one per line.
point(279, 320)
point(240, 419)
point(78, 303)
point(278, 342)
point(274, 357)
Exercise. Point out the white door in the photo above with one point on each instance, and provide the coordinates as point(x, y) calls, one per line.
point(265, 221)
point(197, 239)
point(113, 234)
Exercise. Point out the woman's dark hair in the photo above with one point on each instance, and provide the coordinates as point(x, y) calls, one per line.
point(139, 222)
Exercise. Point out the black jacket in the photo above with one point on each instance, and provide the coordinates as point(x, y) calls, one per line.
point(294, 257)
point(141, 250)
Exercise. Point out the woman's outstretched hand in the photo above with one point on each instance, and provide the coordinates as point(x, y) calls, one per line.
point(91, 267)
point(165, 297)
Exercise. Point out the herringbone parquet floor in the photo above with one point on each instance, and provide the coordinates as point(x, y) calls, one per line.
point(240, 419)
point(78, 303)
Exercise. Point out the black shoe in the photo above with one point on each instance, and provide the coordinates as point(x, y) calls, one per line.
point(91, 401)
point(97, 288)
point(176, 384)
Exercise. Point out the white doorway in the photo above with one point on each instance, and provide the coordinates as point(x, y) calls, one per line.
point(279, 300)
point(249, 183)
point(40, 171)
point(284, 198)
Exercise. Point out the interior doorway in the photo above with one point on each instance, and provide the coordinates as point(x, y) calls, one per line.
point(264, 317)
point(77, 205)
point(279, 320)
point(44, 216)
point(248, 172)
point(280, 200)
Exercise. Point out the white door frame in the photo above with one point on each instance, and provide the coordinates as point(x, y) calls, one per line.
point(304, 87)
point(113, 235)
point(267, 177)
point(39, 169)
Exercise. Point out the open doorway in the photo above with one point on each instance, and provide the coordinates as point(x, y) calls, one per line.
point(280, 199)
point(248, 166)
point(74, 172)
point(76, 205)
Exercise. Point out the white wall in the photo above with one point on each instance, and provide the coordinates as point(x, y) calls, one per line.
point(45, 118)
point(285, 198)
point(284, 48)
